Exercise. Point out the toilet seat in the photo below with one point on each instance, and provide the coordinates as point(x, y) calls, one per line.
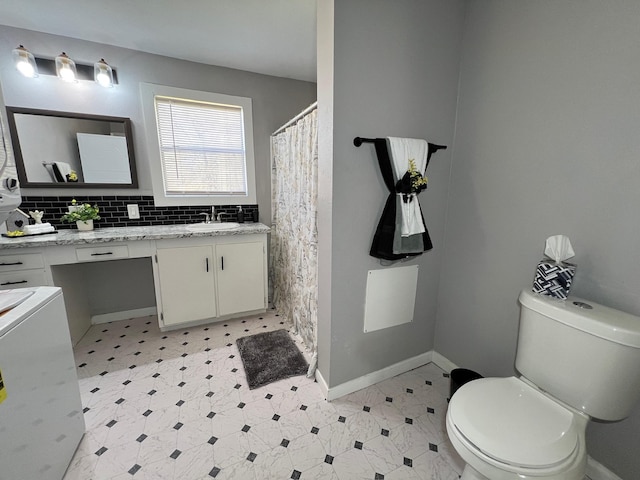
point(514, 424)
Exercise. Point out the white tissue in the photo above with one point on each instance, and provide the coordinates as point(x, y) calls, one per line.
point(558, 248)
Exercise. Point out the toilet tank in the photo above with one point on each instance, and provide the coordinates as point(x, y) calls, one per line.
point(584, 354)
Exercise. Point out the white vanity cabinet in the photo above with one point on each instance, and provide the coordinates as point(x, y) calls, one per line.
point(206, 279)
point(241, 277)
point(105, 275)
point(186, 284)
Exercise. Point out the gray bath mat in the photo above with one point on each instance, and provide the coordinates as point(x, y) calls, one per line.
point(270, 356)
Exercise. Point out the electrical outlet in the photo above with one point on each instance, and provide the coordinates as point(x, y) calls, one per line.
point(134, 211)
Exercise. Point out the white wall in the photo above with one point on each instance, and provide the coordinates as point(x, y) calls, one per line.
point(275, 99)
point(385, 69)
point(546, 143)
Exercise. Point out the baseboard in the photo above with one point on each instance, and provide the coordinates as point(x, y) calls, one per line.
point(206, 321)
point(124, 315)
point(373, 377)
point(322, 383)
point(443, 362)
point(597, 471)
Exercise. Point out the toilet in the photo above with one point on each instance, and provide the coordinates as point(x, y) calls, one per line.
point(576, 360)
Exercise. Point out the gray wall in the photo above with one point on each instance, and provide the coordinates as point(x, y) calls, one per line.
point(275, 99)
point(388, 69)
point(546, 143)
point(132, 275)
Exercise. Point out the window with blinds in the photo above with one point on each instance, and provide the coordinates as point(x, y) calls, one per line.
point(202, 147)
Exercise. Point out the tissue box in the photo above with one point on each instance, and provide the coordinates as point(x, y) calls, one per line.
point(554, 279)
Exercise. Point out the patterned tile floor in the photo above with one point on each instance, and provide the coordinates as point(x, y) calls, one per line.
point(176, 405)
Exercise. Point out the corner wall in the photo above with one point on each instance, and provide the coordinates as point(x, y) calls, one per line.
point(387, 69)
point(546, 143)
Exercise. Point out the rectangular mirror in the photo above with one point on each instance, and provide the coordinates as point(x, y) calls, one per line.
point(72, 150)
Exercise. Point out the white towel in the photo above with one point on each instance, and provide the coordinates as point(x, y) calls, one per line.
point(38, 228)
point(401, 150)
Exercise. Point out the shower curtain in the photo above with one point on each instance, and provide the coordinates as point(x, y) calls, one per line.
point(294, 236)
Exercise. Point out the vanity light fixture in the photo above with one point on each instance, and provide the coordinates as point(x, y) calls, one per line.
point(103, 73)
point(66, 68)
point(25, 62)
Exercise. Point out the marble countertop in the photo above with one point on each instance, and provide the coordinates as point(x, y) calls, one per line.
point(123, 234)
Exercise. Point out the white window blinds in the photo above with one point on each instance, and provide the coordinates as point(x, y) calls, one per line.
point(202, 147)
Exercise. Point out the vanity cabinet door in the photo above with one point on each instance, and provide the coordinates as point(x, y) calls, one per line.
point(241, 277)
point(187, 284)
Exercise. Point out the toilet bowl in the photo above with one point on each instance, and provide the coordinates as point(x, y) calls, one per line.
point(532, 426)
point(505, 429)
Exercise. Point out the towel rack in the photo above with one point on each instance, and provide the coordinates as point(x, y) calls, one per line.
point(359, 141)
point(432, 146)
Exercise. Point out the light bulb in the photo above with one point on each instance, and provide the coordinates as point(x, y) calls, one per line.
point(66, 68)
point(103, 74)
point(67, 74)
point(25, 62)
point(26, 69)
point(103, 79)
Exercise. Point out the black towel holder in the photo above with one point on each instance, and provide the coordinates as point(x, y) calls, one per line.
point(359, 141)
point(432, 146)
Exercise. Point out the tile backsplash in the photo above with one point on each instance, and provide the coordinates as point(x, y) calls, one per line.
point(113, 211)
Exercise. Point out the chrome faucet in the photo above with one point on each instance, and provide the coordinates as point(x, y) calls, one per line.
point(207, 218)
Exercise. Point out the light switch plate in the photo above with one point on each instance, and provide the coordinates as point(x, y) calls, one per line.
point(134, 211)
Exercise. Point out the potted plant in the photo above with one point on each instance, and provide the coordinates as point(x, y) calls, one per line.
point(83, 214)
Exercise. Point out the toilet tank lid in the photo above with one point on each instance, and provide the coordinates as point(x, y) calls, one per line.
point(604, 322)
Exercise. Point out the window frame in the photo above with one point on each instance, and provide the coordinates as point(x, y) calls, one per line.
point(148, 92)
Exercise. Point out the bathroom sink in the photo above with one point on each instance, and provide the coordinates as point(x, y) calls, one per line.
point(212, 227)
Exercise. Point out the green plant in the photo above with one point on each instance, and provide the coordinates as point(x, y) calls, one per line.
point(81, 213)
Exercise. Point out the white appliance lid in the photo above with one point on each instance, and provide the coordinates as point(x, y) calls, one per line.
point(587, 316)
point(513, 423)
point(35, 297)
point(12, 298)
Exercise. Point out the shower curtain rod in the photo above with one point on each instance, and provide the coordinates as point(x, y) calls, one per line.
point(296, 118)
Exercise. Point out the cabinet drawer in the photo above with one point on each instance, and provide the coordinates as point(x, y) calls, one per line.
point(24, 261)
point(27, 278)
point(98, 254)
